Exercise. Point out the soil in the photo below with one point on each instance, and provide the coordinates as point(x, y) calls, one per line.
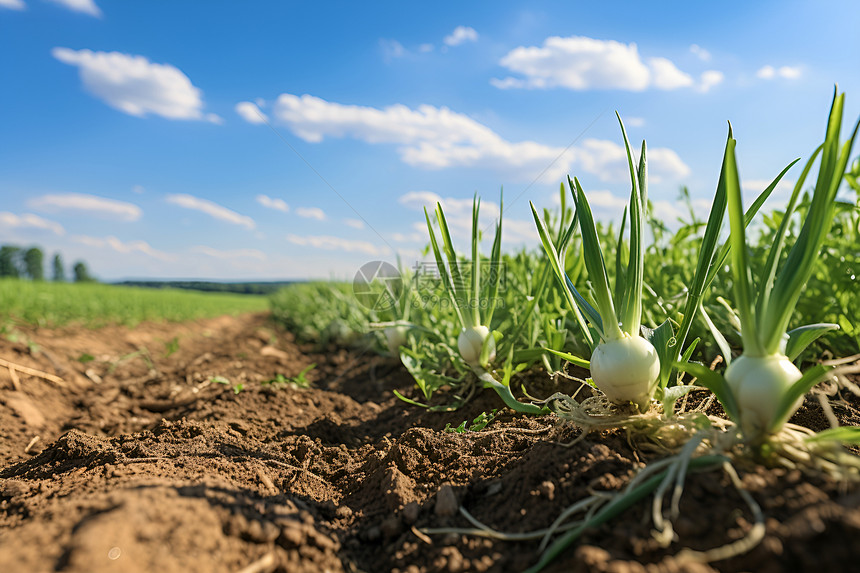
point(150, 456)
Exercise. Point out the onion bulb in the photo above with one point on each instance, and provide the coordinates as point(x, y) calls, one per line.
point(758, 383)
point(471, 342)
point(395, 336)
point(625, 370)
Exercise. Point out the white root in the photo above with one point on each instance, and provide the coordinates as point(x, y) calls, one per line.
point(483, 530)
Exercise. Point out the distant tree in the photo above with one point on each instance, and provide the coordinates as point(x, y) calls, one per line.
point(34, 263)
point(82, 275)
point(9, 261)
point(59, 271)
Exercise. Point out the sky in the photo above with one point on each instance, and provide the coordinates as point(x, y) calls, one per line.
point(269, 140)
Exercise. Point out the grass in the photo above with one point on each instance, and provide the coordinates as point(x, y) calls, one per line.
point(321, 312)
point(49, 304)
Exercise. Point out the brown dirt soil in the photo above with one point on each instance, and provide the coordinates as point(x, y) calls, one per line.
point(141, 462)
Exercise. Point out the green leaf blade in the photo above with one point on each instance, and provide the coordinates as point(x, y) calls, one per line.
point(740, 264)
point(800, 338)
point(594, 262)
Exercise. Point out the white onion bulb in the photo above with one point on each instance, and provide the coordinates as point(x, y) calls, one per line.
point(471, 342)
point(625, 370)
point(757, 383)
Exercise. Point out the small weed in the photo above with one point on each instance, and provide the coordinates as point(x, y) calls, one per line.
point(142, 352)
point(477, 424)
point(226, 382)
point(281, 381)
point(85, 357)
point(171, 346)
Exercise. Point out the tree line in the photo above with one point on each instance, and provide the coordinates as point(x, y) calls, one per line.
point(17, 262)
point(259, 287)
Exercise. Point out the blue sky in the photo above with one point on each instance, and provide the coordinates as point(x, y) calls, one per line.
point(279, 140)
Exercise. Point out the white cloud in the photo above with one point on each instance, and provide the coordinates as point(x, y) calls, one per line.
point(230, 254)
point(139, 189)
point(136, 86)
point(250, 112)
point(420, 199)
point(436, 138)
point(634, 121)
point(460, 35)
point(672, 213)
point(664, 164)
point(508, 83)
point(790, 73)
point(425, 48)
point(311, 213)
point(784, 72)
point(329, 243)
point(608, 160)
point(701, 52)
point(752, 188)
point(28, 220)
point(516, 231)
point(83, 6)
point(458, 214)
point(273, 203)
point(354, 223)
point(606, 200)
point(415, 237)
point(608, 206)
point(91, 204)
point(666, 76)
point(709, 79)
point(417, 200)
point(766, 72)
point(391, 49)
point(428, 137)
point(89, 241)
point(668, 212)
point(212, 209)
point(13, 4)
point(581, 63)
point(117, 245)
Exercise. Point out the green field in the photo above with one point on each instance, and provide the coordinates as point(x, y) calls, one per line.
point(94, 305)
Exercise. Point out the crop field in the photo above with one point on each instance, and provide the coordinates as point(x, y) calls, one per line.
point(92, 304)
point(627, 397)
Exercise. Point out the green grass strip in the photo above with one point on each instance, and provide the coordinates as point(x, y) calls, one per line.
point(50, 304)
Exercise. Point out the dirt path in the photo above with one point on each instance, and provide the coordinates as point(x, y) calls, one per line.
point(143, 461)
